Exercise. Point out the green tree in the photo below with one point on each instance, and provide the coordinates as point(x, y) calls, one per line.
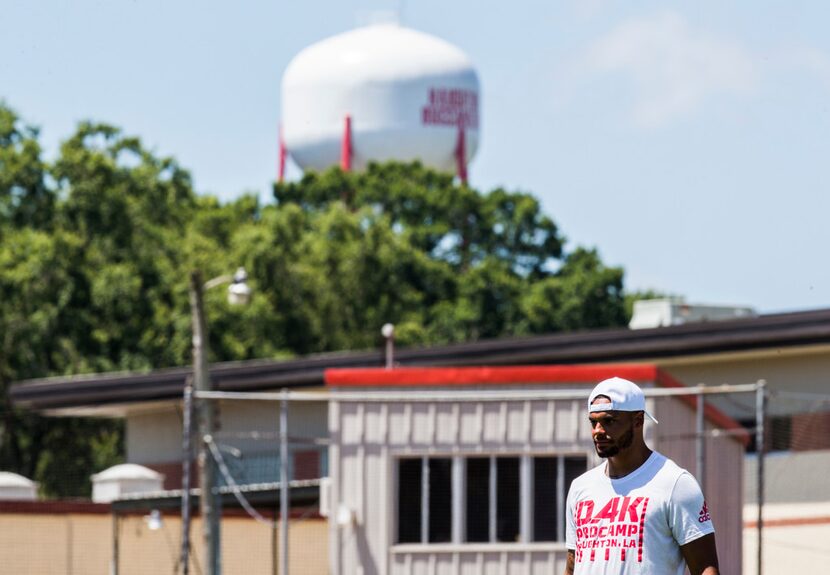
point(447, 263)
point(25, 198)
point(97, 247)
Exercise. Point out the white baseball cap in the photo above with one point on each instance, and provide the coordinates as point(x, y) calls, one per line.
point(624, 395)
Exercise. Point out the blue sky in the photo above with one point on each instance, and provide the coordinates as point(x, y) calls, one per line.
point(686, 141)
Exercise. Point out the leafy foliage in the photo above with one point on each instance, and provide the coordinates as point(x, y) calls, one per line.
point(97, 248)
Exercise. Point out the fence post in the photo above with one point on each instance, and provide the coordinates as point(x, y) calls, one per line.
point(187, 452)
point(284, 487)
point(700, 445)
point(115, 551)
point(760, 448)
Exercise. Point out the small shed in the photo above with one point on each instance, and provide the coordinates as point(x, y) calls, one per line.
point(14, 487)
point(124, 479)
point(466, 470)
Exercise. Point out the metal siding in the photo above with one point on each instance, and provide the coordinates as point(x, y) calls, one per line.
point(491, 563)
point(493, 431)
point(385, 431)
point(444, 564)
point(724, 488)
point(542, 564)
point(472, 425)
point(400, 564)
point(373, 424)
point(398, 425)
point(351, 430)
point(566, 421)
point(421, 564)
point(335, 544)
point(422, 424)
point(541, 422)
point(723, 485)
point(516, 562)
point(351, 481)
point(518, 424)
point(446, 423)
point(371, 532)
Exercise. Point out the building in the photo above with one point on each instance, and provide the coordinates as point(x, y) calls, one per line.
point(790, 351)
point(432, 476)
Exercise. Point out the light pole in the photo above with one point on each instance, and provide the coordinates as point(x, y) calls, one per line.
point(238, 293)
point(388, 333)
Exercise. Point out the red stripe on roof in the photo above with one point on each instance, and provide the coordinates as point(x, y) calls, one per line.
point(516, 375)
point(519, 375)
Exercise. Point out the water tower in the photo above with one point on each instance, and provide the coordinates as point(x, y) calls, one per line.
point(377, 93)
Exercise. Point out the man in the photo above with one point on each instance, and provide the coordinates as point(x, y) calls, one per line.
point(637, 512)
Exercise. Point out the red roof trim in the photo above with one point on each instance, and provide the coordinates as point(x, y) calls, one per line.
point(53, 507)
point(522, 375)
point(507, 375)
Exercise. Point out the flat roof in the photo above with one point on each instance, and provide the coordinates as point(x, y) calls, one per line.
point(774, 332)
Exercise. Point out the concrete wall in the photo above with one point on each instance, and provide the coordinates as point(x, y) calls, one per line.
point(796, 538)
point(811, 468)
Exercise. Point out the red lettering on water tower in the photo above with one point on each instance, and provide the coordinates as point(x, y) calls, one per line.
point(451, 107)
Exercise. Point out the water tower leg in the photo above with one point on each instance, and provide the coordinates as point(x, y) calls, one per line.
point(461, 155)
point(281, 159)
point(346, 146)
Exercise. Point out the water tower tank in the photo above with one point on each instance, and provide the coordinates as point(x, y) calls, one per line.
point(399, 94)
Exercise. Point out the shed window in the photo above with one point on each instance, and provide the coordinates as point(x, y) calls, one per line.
point(409, 500)
point(482, 499)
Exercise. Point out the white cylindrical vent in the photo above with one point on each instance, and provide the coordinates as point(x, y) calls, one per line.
point(124, 479)
point(14, 487)
point(407, 95)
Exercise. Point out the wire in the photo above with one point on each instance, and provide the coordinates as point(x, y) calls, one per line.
point(223, 468)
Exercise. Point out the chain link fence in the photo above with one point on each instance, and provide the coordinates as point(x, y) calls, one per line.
point(146, 533)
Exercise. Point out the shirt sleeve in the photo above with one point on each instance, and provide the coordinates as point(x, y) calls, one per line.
point(689, 516)
point(570, 523)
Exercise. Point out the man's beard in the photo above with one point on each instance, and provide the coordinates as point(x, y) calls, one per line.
point(624, 442)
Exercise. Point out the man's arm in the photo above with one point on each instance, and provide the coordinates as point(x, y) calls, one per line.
point(701, 556)
point(569, 566)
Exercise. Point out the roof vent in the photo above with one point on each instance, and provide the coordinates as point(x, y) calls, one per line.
point(674, 311)
point(14, 487)
point(124, 479)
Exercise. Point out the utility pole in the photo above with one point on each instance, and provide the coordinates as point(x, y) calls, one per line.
point(207, 467)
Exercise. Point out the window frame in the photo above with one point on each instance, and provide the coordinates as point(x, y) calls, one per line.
point(458, 496)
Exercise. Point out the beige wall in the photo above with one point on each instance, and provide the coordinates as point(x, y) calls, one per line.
point(81, 544)
point(155, 436)
point(796, 538)
point(802, 370)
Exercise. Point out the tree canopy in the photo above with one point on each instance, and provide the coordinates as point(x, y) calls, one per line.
point(96, 248)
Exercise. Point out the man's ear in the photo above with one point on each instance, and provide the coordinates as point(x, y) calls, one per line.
point(639, 418)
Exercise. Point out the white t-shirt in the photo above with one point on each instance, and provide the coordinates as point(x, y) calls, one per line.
point(635, 524)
